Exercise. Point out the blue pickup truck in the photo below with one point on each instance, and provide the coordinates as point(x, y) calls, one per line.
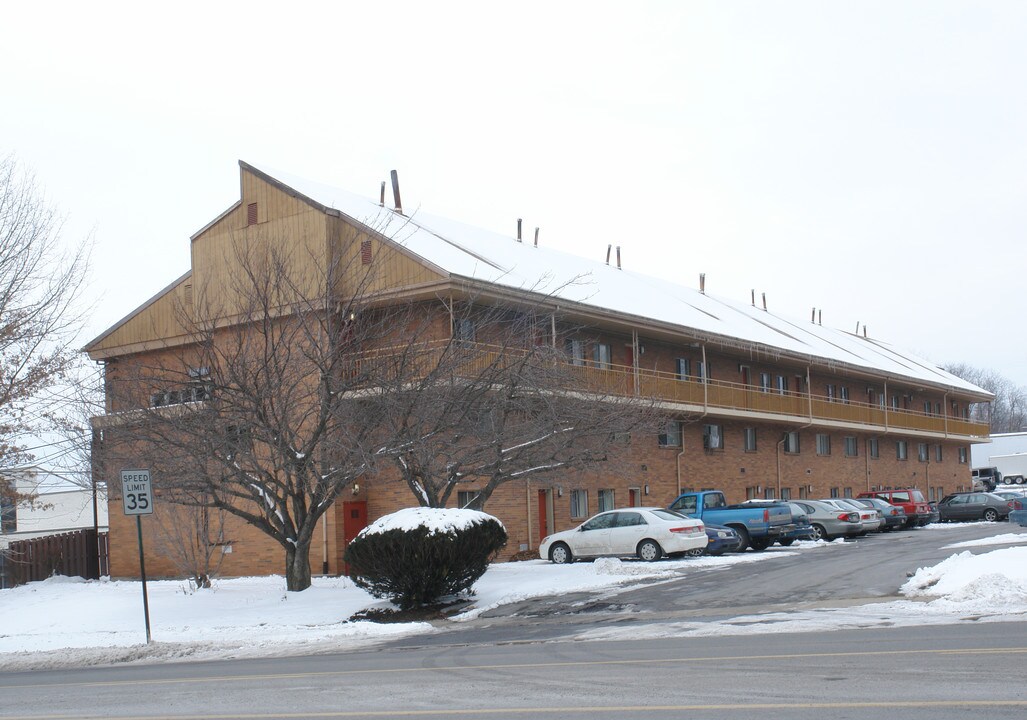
point(759, 526)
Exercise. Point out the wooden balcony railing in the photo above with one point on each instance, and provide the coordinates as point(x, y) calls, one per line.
point(470, 360)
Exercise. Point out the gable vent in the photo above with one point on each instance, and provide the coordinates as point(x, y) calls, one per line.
point(251, 214)
point(365, 252)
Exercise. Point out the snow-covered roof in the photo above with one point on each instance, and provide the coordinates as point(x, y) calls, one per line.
point(463, 251)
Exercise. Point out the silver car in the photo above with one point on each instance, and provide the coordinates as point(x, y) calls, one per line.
point(830, 522)
point(869, 516)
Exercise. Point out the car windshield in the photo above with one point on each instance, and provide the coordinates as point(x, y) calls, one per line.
point(917, 496)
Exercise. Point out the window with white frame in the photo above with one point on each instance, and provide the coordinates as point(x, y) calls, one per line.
point(873, 448)
point(605, 500)
point(764, 382)
point(786, 493)
point(843, 393)
point(684, 369)
point(847, 492)
point(923, 453)
point(602, 354)
point(465, 497)
point(749, 439)
point(702, 371)
point(791, 443)
point(901, 450)
point(576, 351)
point(851, 446)
point(962, 456)
point(937, 453)
point(823, 444)
point(712, 437)
point(831, 393)
point(782, 384)
point(671, 435)
point(834, 492)
point(579, 503)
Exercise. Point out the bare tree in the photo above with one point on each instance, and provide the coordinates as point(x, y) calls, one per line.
point(40, 287)
point(499, 401)
point(1008, 411)
point(192, 537)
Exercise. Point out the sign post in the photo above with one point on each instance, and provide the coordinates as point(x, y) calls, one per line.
point(137, 499)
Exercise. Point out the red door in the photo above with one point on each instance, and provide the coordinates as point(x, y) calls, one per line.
point(354, 519)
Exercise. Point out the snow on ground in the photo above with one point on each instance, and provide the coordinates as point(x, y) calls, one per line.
point(68, 621)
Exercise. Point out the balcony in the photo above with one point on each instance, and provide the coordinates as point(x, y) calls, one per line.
point(693, 395)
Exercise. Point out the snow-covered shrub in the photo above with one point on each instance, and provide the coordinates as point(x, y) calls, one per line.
point(417, 556)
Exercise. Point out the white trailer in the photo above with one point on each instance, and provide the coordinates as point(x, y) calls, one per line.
point(1013, 467)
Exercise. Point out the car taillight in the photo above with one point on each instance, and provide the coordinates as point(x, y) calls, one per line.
point(688, 529)
point(766, 515)
point(1017, 505)
point(843, 516)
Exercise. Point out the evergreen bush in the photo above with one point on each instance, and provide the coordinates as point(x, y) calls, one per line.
point(417, 564)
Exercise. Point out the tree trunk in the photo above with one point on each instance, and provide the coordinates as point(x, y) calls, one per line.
point(297, 567)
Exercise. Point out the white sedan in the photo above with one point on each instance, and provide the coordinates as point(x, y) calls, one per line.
point(649, 533)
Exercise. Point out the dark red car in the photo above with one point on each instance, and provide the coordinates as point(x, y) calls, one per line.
point(918, 512)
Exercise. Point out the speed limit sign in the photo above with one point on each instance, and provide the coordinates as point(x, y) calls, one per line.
point(136, 493)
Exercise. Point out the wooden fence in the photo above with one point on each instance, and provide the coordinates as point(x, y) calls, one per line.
point(83, 553)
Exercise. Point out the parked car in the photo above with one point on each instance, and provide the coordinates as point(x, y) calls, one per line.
point(802, 529)
point(1011, 494)
point(868, 516)
point(720, 539)
point(894, 517)
point(1018, 514)
point(918, 512)
point(828, 521)
point(757, 525)
point(935, 515)
point(974, 506)
point(648, 533)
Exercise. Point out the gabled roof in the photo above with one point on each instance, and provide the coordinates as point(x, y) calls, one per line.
point(471, 253)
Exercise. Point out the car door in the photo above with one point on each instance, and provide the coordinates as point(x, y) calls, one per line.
point(955, 508)
point(628, 529)
point(975, 506)
point(593, 537)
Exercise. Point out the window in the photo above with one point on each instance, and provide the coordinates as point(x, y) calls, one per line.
point(463, 330)
point(579, 503)
point(671, 435)
point(851, 447)
point(843, 393)
point(922, 452)
point(769, 493)
point(605, 500)
point(464, 497)
point(764, 382)
point(927, 407)
point(576, 352)
point(749, 439)
point(962, 456)
point(782, 384)
point(602, 354)
point(8, 515)
point(937, 453)
point(937, 408)
point(786, 493)
point(685, 505)
point(712, 437)
point(830, 393)
point(834, 492)
point(684, 368)
point(791, 444)
point(901, 450)
point(701, 371)
point(847, 492)
point(894, 402)
point(823, 444)
point(873, 449)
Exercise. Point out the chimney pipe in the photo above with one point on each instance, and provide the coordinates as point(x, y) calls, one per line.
point(618, 257)
point(702, 283)
point(813, 315)
point(395, 192)
point(752, 296)
point(609, 248)
point(764, 300)
point(536, 237)
point(857, 327)
point(820, 316)
point(381, 199)
point(518, 229)
point(864, 330)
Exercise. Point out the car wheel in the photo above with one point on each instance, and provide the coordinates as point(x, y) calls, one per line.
point(786, 542)
point(990, 515)
point(649, 550)
point(696, 552)
point(761, 544)
point(743, 535)
point(819, 533)
point(560, 554)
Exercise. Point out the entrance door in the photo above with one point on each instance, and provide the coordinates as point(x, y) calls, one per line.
point(634, 497)
point(354, 519)
point(545, 513)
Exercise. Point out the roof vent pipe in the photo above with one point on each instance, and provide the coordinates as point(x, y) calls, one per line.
point(813, 315)
point(752, 296)
point(857, 327)
point(536, 237)
point(864, 331)
point(609, 248)
point(395, 192)
point(381, 199)
point(820, 316)
point(764, 301)
point(618, 257)
point(702, 283)
point(518, 229)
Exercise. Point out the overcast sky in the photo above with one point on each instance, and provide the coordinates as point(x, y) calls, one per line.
point(865, 158)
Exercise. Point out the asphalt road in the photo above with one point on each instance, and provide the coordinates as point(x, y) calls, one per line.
point(511, 665)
